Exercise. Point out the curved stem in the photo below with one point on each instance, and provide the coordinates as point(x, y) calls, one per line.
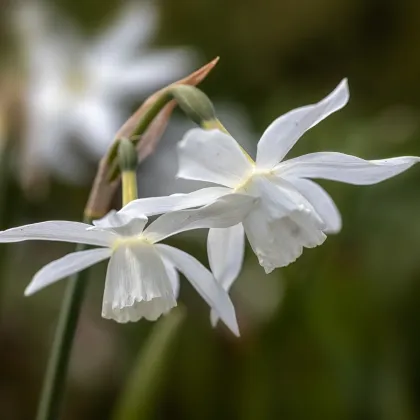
point(54, 380)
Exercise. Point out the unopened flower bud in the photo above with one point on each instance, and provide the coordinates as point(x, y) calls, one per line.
point(194, 103)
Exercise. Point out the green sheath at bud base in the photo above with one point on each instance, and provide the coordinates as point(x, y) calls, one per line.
point(127, 155)
point(194, 103)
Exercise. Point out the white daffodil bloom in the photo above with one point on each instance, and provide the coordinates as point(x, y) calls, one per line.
point(142, 278)
point(76, 88)
point(293, 212)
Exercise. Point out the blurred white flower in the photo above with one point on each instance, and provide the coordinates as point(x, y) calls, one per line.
point(292, 211)
point(142, 279)
point(76, 87)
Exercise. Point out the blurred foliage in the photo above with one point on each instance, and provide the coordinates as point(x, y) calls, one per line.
point(343, 341)
point(138, 398)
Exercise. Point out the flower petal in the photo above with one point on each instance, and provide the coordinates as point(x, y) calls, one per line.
point(224, 212)
point(345, 168)
point(150, 72)
point(66, 266)
point(285, 131)
point(121, 223)
point(134, 26)
point(212, 156)
point(277, 243)
point(279, 198)
point(96, 122)
point(137, 285)
point(225, 249)
point(158, 205)
point(173, 275)
point(205, 284)
point(271, 252)
point(62, 231)
point(321, 201)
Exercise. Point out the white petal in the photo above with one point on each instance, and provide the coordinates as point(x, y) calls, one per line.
point(279, 198)
point(272, 252)
point(205, 284)
point(285, 131)
point(95, 122)
point(214, 318)
point(345, 168)
point(121, 224)
point(149, 73)
point(225, 249)
point(321, 201)
point(66, 266)
point(62, 231)
point(173, 276)
point(224, 212)
point(137, 285)
point(212, 156)
point(133, 27)
point(116, 219)
point(280, 242)
point(158, 205)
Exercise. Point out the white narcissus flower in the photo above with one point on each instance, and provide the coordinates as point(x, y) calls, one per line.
point(142, 279)
point(75, 88)
point(293, 212)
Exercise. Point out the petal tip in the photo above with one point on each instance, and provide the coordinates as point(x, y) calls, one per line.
point(235, 329)
point(29, 291)
point(344, 85)
point(334, 228)
point(214, 318)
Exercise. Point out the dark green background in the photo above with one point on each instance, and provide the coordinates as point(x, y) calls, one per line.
point(343, 341)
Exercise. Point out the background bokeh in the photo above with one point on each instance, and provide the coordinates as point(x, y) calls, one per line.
point(333, 336)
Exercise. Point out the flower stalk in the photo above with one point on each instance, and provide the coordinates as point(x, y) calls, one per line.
point(129, 186)
point(53, 386)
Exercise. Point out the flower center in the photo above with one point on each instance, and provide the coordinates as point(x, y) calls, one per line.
point(130, 240)
point(255, 172)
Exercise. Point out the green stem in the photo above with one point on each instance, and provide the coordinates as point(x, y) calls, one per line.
point(54, 380)
point(151, 113)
